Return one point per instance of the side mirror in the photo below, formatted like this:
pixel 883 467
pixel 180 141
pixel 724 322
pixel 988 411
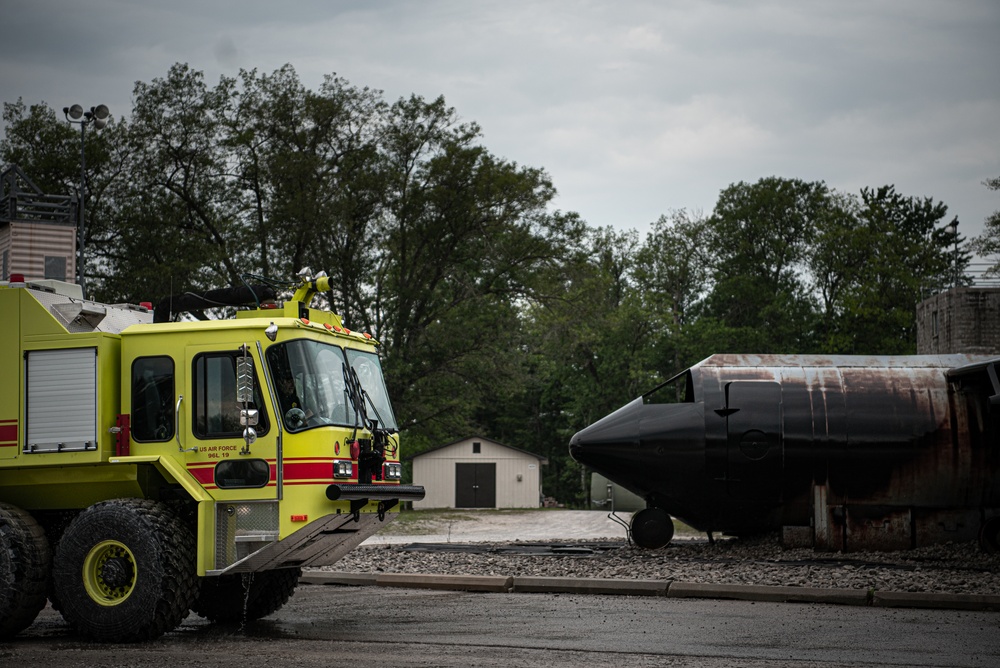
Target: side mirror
pixel 244 397
pixel 244 379
pixel 248 417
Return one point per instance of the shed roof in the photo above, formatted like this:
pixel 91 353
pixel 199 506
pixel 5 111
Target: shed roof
pixel 541 459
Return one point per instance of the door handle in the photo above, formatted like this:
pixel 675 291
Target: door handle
pixel 177 426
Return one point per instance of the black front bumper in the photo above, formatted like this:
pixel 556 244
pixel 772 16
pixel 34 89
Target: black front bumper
pixel 355 492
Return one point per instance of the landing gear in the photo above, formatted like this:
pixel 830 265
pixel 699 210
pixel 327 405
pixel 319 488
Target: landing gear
pixel 24 570
pixel 989 536
pixel 125 571
pixel 245 597
pixel 652 528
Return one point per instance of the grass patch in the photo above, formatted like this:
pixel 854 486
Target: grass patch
pixel 442 515
pixel 681 529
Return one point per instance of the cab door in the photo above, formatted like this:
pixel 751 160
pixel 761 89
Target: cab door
pixel 213 423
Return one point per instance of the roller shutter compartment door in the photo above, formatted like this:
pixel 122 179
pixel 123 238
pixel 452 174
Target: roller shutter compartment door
pixel 61 389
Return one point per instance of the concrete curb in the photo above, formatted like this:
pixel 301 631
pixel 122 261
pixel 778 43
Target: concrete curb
pixel 610 587
pixel 350 579
pixel 906 599
pixel 546 585
pixel 774 594
pixel 488 583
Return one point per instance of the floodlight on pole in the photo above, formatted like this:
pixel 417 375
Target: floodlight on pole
pixel 952 229
pixel 98 117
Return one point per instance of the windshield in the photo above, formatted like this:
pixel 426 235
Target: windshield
pixel 309 378
pixel 369 372
pixel 679 389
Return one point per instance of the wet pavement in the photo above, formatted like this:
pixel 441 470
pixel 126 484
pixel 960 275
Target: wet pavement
pixel 375 626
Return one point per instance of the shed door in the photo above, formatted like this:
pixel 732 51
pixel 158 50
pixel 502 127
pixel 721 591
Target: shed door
pixel 476 485
pixel 755 456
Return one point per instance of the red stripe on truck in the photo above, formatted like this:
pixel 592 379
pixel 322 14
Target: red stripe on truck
pixel 8 434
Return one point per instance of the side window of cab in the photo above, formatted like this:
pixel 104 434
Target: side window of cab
pixel 152 417
pixel 216 411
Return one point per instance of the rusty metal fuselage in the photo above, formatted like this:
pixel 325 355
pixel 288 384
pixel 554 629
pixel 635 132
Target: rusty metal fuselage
pixel 838 452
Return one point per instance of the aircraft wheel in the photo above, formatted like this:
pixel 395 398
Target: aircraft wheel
pixel 245 597
pixel 652 528
pixel 25 560
pixel 989 536
pixel 125 571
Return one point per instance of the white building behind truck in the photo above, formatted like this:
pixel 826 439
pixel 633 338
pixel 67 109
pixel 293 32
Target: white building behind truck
pixel 477 472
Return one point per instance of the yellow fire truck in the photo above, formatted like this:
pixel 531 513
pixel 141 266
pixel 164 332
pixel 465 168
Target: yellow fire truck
pixel 149 467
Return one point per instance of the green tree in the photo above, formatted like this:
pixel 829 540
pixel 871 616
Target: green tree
pixel 875 259
pixel 309 173
pixel 464 237
pixel 672 271
pixel 497 315
pixel 759 236
pixel 175 220
pixel 988 243
pixel 838 251
pixel 589 344
pixel 48 149
pixel 433 243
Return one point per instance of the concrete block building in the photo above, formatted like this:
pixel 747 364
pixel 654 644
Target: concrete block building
pixel 960 320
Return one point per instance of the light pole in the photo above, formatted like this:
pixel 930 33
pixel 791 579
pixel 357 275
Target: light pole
pixel 98 117
pixel 952 229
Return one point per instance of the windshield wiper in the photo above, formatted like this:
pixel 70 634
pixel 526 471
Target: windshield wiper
pixel 355 394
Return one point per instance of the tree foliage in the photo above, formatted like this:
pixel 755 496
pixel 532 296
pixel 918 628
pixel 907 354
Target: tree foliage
pixel 888 255
pixel 497 315
pixel 988 243
pixel 760 235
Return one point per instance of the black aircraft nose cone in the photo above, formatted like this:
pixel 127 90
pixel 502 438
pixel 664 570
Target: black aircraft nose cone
pixel 654 450
pixel 608 436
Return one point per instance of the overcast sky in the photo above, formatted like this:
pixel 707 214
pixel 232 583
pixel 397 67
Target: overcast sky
pixel 634 108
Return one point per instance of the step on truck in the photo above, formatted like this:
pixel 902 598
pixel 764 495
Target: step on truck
pixel 152 466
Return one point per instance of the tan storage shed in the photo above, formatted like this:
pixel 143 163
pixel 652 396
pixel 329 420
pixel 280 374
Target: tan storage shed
pixel 478 472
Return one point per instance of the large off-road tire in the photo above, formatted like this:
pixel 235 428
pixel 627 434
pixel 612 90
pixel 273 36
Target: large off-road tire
pixel 54 523
pixel 245 597
pixel 125 571
pixel 25 562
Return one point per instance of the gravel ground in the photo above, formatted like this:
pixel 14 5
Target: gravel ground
pixel 950 568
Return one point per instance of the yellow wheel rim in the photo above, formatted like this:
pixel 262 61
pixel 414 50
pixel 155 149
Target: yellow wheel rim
pixel 109 573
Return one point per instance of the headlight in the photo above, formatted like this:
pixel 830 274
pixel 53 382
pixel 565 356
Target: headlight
pixel 392 471
pixel 342 469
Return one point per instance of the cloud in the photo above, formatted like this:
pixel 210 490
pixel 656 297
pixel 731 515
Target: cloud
pixel 227 54
pixel 633 107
